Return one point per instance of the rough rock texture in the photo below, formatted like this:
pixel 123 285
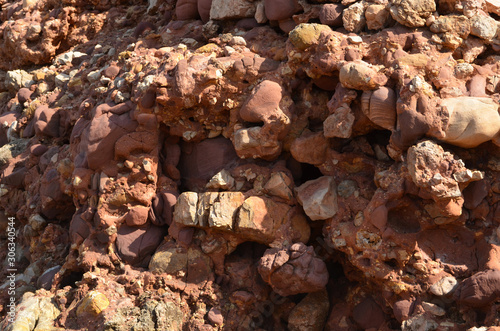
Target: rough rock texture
pixel 249 165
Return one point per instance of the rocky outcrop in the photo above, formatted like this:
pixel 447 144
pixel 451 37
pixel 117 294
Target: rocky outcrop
pixel 249 165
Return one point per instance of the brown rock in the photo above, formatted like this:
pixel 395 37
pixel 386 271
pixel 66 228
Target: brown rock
pixel 331 14
pixel 368 314
pixel 293 270
pixel 277 10
pixel 310 148
pixel 186 9
pixel 310 313
pixel 359 75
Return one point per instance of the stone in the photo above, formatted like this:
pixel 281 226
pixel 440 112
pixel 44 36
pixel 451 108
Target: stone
pixel 493 6
pixel 456 24
pixel 444 286
pixel 310 313
pixel 377 16
pixel 61 79
pixel 318 197
pixel 215 316
pixel 92 304
pixel 259 218
pixel 353 17
pixel 433 309
pixel 360 75
pixel 331 14
pixel 470 121
pixel 231 9
pixel 293 270
pixel 306 35
pixel 221 180
pixel 484 27
pixel 310 147
pixel 35 313
pixel 279 185
pixel 368 314
pixel 339 124
pixel 480 289
pixel 186 9
pixel 412 13
pixel 136 245
pixel 278 10
pixel 16 79
pixel 185 209
pixel 169 259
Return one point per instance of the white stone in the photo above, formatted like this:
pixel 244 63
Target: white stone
pixel 483 27
pixel 228 9
pixel 318 197
pixel 444 286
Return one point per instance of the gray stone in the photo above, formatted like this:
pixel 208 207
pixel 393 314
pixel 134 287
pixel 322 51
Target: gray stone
pixel 444 286
pixel 16 79
pixel 483 27
pixel 228 9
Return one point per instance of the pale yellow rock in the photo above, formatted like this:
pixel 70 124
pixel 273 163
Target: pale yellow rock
pixel 185 209
pixel 472 121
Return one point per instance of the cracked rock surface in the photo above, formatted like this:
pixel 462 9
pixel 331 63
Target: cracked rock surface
pixel 250 165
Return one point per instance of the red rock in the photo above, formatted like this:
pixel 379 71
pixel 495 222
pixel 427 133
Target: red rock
pixel 111 71
pixel 331 14
pixel 136 245
pixel 202 160
pixel 277 10
pixel 186 9
pixel 23 95
pixel 215 316
pixel 368 314
pixel 480 289
pixel 46 121
pixel 204 9
pixel 293 270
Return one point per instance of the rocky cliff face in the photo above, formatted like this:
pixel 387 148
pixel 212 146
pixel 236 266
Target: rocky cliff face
pixel 250 165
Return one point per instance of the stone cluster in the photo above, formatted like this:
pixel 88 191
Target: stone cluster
pixel 251 164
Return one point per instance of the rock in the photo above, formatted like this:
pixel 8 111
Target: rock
pixel 305 35
pixel 331 14
pixel 204 7
pixel 419 322
pixel 11 150
pixel 480 289
pixel 339 124
pixel 483 27
pixel 310 313
pixel 16 79
pixel 456 24
pixel 368 314
pixel 318 197
pixel 353 17
pixel 259 219
pixel 402 310
pixel 231 9
pixel 310 148
pixel 45 280
pixel 377 16
pixel 35 311
pixel 380 107
pixel 424 160
pixel 493 6
pixel 201 161
pixel 359 75
pixel 278 10
pixel 186 9
pixel 61 79
pixel 280 185
pixel 412 13
pixel 293 270
pixel 470 121
pixel 92 304
pixel 215 316
pixel 444 286
pixel 169 259
pixel 136 245
pixel 433 309
pixel 221 180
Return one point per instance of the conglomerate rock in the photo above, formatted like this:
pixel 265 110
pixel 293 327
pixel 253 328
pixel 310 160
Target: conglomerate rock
pixel 250 165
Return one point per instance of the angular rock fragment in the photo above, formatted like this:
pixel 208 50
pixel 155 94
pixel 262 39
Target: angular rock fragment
pixel 293 270
pixel 318 197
